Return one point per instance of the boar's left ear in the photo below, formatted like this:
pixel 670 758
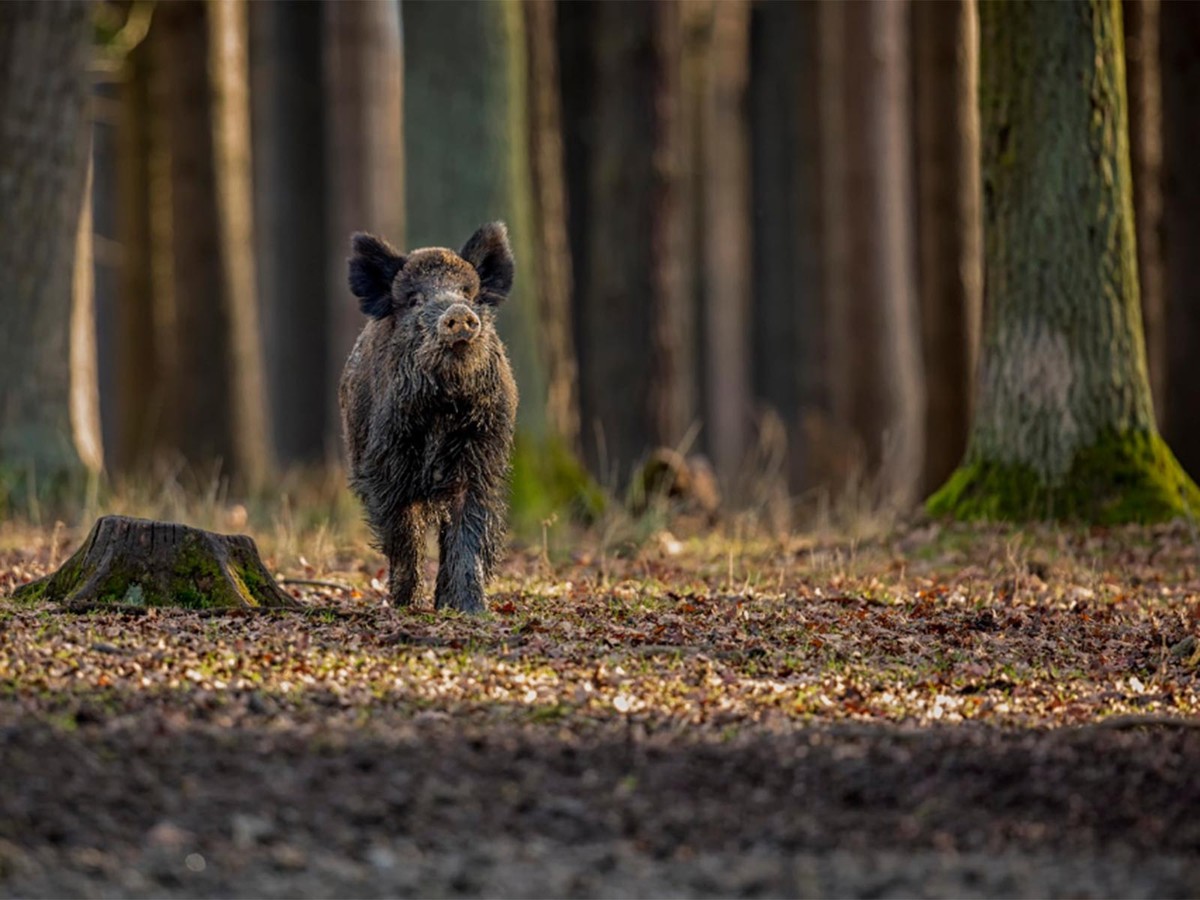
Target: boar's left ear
pixel 373 266
pixel 489 252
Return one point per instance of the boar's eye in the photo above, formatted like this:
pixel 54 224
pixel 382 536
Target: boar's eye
pixel 415 298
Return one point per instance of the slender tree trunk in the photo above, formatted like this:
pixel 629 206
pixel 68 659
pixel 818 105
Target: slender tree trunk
pixel 788 346
pixel 218 388
pixel 1180 24
pixel 85 388
pixel 107 251
pixel 229 40
pixel 44 147
pixel 364 153
pixel 1063 423
pixel 552 255
pixel 726 250
pixel 624 115
pixel 949 225
pixel 1144 80
pixel 875 361
pixel 138 344
pixel 291 215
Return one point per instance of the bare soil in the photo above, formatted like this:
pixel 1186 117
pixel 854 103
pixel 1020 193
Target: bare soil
pixel 942 713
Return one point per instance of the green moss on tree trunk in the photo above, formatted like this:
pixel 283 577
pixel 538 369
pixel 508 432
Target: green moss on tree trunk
pixel 1063 424
pixel 1123 478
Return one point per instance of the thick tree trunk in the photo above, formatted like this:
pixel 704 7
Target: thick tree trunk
pixel 1180 24
pixel 364 153
pixel 552 254
pixel 788 327
pixel 877 394
pixel 949 226
pixel 44 147
pixel 291 215
pixel 137 563
pixel 1144 80
pixel 467 148
pixel 1063 423
pixel 467 143
pixel 218 390
pixel 623 121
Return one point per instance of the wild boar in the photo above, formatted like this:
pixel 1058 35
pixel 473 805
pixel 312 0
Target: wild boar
pixel 428 405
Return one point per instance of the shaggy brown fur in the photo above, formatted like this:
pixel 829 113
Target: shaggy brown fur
pixel 428 406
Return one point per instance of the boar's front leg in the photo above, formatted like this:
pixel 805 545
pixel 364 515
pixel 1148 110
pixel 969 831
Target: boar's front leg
pixel 468 542
pixel 402 546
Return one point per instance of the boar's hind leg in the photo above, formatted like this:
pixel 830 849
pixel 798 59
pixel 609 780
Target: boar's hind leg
pixel 465 543
pixel 402 546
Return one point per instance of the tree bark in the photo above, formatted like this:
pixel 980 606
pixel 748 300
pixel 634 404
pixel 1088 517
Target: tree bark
pixel 949 225
pixel 469 123
pixel 1144 79
pixel 1180 24
pixel 44 147
pixel 364 152
pixel 623 112
pixel 788 326
pixel 291 211
pixel 552 254
pixel 877 396
pixel 467 148
pixel 230 73
pixel 85 387
pixel 1063 423
pixel 725 262
pixel 137 563
pixel 218 388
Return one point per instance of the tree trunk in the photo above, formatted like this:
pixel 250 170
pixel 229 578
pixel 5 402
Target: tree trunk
pixel 1180 24
pixel 1144 80
pixel 725 261
pixel 467 148
pixel 469 122
pixel 871 300
pixel 624 113
pixel 364 153
pixel 219 390
pixel 137 563
pixel 141 344
pixel 230 73
pixel 552 254
pixel 291 215
pixel 788 327
pixel 44 147
pixel 1063 423
pixel 85 388
pixel 949 227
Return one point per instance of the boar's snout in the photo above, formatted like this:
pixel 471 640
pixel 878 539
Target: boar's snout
pixel 459 324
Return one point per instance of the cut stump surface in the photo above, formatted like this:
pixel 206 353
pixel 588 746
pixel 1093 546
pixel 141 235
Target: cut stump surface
pixel 141 563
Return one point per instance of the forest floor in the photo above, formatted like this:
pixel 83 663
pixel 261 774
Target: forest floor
pixel 944 711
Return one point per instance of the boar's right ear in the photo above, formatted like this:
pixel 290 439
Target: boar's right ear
pixel 373 266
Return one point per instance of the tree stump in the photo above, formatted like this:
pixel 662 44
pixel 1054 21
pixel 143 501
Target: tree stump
pixel 131 562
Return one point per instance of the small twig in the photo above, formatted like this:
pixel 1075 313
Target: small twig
pixel 310 582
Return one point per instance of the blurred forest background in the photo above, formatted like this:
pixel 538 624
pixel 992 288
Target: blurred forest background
pixel 746 231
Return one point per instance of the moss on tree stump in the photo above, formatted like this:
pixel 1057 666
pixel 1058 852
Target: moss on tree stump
pixel 140 563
